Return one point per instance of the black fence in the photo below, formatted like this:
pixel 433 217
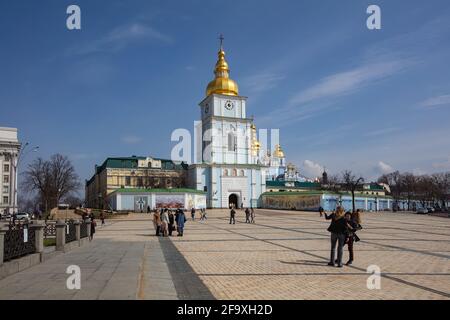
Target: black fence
pixel 70 232
pixel 19 241
pixel 83 230
pixel 50 230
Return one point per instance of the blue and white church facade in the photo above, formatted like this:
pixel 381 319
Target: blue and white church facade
pixel 228 168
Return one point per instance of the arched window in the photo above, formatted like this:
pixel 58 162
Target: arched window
pixel 242 173
pixel 225 173
pixel 234 173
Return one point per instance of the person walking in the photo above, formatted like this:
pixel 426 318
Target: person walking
pixel 165 223
pixel 337 229
pixel 171 222
pixel 102 218
pixel 321 211
pixel 353 224
pixel 193 213
pixel 157 222
pixel 93 225
pixel 204 214
pixel 232 215
pixel 181 220
pixel 252 215
pixel 247 215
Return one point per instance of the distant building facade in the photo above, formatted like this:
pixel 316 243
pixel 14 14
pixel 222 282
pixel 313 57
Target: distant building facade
pixel 130 173
pixel 9 152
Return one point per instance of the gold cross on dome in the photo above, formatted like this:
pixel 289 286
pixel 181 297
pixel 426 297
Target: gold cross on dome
pixel 221 38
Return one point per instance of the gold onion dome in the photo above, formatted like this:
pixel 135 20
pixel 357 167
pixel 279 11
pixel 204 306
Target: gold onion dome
pixel 222 84
pixel 278 152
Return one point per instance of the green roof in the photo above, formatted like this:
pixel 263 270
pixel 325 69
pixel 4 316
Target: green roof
pixel 297 184
pixel 320 192
pixel 157 190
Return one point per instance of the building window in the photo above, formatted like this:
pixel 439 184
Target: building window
pixel 225 173
pixel 5 189
pixel 231 142
pixel 234 174
pixel 6 167
pixel 242 173
pixel 5 179
pixel 127 181
pixel 5 200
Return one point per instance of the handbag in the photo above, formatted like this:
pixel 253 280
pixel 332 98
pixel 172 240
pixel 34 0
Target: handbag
pixel 355 236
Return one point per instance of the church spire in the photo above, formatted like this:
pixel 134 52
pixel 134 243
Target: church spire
pixel 222 84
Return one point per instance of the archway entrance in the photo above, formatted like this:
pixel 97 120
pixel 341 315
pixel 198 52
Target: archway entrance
pixel 233 200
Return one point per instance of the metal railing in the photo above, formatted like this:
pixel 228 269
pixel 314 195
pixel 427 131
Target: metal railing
pixel 70 232
pixel 19 241
pixel 83 230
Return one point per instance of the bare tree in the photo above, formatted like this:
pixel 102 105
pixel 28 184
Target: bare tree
pixel 52 179
pixel 409 186
pixel 351 183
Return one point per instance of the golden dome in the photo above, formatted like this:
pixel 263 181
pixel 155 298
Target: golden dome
pixel 256 145
pixel 278 152
pixel 222 84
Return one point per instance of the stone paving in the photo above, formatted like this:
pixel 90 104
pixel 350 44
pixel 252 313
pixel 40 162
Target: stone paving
pixel 282 256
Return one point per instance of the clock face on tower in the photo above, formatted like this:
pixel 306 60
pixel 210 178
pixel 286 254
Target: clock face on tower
pixel 229 105
pixel 207 108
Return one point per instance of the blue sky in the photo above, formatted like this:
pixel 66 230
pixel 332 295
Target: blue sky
pixel 344 97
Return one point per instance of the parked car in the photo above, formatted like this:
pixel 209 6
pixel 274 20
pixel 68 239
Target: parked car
pixel 6 216
pixel 430 209
pixel 422 211
pixel 22 216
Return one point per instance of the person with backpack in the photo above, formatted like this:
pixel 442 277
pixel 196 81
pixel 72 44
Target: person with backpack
pixel 353 225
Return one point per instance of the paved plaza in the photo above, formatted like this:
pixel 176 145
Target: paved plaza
pixel 282 256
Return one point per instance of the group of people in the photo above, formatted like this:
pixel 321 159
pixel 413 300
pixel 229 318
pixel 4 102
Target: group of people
pixel 202 214
pixel 249 215
pixel 166 222
pixel 343 228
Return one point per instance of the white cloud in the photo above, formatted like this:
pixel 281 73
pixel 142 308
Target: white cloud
pixel 121 37
pixel 346 82
pixel 381 132
pixel 130 139
pixel 261 82
pixel 383 168
pixel 312 169
pixel 435 102
pixel 442 165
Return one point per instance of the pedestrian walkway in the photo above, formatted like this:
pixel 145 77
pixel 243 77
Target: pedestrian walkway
pixel 282 256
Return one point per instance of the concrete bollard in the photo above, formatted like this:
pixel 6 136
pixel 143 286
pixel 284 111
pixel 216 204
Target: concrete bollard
pixel 38 227
pixel 60 235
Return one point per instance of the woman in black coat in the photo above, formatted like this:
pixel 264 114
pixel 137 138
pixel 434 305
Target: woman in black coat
pixel 338 229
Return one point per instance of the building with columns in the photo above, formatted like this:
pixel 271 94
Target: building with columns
pixel 9 152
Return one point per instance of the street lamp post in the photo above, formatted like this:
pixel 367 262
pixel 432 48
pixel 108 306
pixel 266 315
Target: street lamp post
pixel 15 176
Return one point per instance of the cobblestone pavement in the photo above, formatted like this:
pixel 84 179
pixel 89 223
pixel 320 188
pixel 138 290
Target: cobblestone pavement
pixel 282 256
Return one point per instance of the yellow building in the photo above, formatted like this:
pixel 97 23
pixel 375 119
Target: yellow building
pixel 132 172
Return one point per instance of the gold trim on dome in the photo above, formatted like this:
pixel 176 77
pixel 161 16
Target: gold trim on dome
pixel 278 152
pixel 222 84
